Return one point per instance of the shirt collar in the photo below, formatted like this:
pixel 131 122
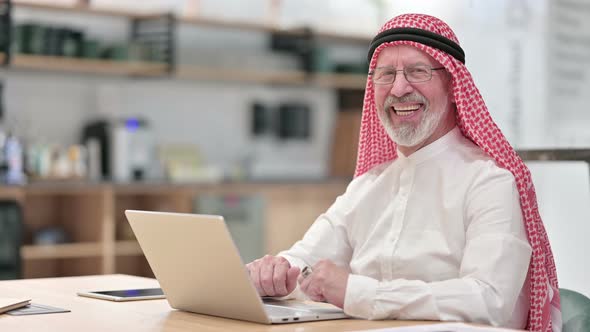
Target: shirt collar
pixel 452 138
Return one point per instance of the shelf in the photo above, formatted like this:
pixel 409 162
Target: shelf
pixel 146 69
pixel 562 154
pixel 68 250
pixel 86 66
pixel 240 75
pixel 94 221
pixel 187 72
pixel 344 38
pixel 82 9
pixel 341 81
pixel 197 21
pixel 261 27
pixel 127 248
pixel 331 80
pixel 218 23
pixel 12 192
pixel 78 187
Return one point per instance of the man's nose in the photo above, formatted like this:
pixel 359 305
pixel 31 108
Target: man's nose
pixel 400 86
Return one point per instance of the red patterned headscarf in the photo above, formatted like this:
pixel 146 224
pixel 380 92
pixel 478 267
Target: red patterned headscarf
pixel 475 122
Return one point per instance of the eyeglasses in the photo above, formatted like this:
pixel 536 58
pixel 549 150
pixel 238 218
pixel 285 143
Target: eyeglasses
pixel 413 74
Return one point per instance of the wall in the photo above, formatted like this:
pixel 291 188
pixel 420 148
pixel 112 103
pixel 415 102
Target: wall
pixel 179 112
pixel 568 97
pixel 503 41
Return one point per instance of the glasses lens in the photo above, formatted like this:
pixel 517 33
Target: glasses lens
pixel 384 75
pixel 413 74
pixel 418 73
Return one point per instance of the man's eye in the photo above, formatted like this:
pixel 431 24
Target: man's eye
pixel 386 73
pixel 417 71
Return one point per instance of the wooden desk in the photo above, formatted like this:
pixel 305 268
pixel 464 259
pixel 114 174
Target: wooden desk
pixel 153 315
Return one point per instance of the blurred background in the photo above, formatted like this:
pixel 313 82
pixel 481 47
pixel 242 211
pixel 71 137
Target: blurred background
pixel 251 110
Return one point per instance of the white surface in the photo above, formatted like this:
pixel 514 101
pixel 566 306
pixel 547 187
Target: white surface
pixel 563 193
pixel 445 327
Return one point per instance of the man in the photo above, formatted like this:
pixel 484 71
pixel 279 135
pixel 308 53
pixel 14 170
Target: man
pixel 440 222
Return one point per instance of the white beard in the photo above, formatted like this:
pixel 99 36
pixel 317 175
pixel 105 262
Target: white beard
pixel 406 134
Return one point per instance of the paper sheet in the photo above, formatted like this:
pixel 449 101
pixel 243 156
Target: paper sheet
pixel 442 327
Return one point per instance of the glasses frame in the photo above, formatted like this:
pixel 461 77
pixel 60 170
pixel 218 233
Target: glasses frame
pixel 372 74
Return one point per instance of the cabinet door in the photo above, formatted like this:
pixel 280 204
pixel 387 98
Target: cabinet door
pixel 243 214
pixel 291 211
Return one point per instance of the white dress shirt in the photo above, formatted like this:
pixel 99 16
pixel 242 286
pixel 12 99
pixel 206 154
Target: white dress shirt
pixel 437 235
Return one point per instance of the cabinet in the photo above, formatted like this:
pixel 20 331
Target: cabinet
pixel 80 212
pixel 168 66
pixel 42 45
pixel 99 240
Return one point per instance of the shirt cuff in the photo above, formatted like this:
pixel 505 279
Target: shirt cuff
pixel 359 300
pixel 296 293
pixel 293 261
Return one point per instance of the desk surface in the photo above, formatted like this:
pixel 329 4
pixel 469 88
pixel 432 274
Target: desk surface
pixel 90 315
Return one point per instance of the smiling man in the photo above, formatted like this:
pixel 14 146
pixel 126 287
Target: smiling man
pixel 440 221
pixel 418 110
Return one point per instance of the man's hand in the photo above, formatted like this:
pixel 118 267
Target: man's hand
pixel 327 282
pixel 273 276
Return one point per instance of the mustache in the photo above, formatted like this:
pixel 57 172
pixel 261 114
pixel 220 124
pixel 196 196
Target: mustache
pixel 409 98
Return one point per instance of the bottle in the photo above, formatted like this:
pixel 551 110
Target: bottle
pixel 13 153
pixel 3 163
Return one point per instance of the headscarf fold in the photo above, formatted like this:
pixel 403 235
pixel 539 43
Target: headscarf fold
pixel 475 122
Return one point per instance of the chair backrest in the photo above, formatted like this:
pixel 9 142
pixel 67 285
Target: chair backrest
pixel 11 234
pixel 575 311
pixel 563 193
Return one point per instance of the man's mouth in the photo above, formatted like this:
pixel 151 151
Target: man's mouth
pixel 406 109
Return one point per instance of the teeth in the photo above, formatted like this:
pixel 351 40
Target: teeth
pixel 404 113
pixel 407 108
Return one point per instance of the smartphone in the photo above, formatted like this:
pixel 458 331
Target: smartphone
pixel 126 294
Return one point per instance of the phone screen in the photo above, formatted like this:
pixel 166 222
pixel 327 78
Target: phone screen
pixel 133 292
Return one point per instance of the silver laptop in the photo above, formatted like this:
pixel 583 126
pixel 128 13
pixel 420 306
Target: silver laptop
pixel 200 270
